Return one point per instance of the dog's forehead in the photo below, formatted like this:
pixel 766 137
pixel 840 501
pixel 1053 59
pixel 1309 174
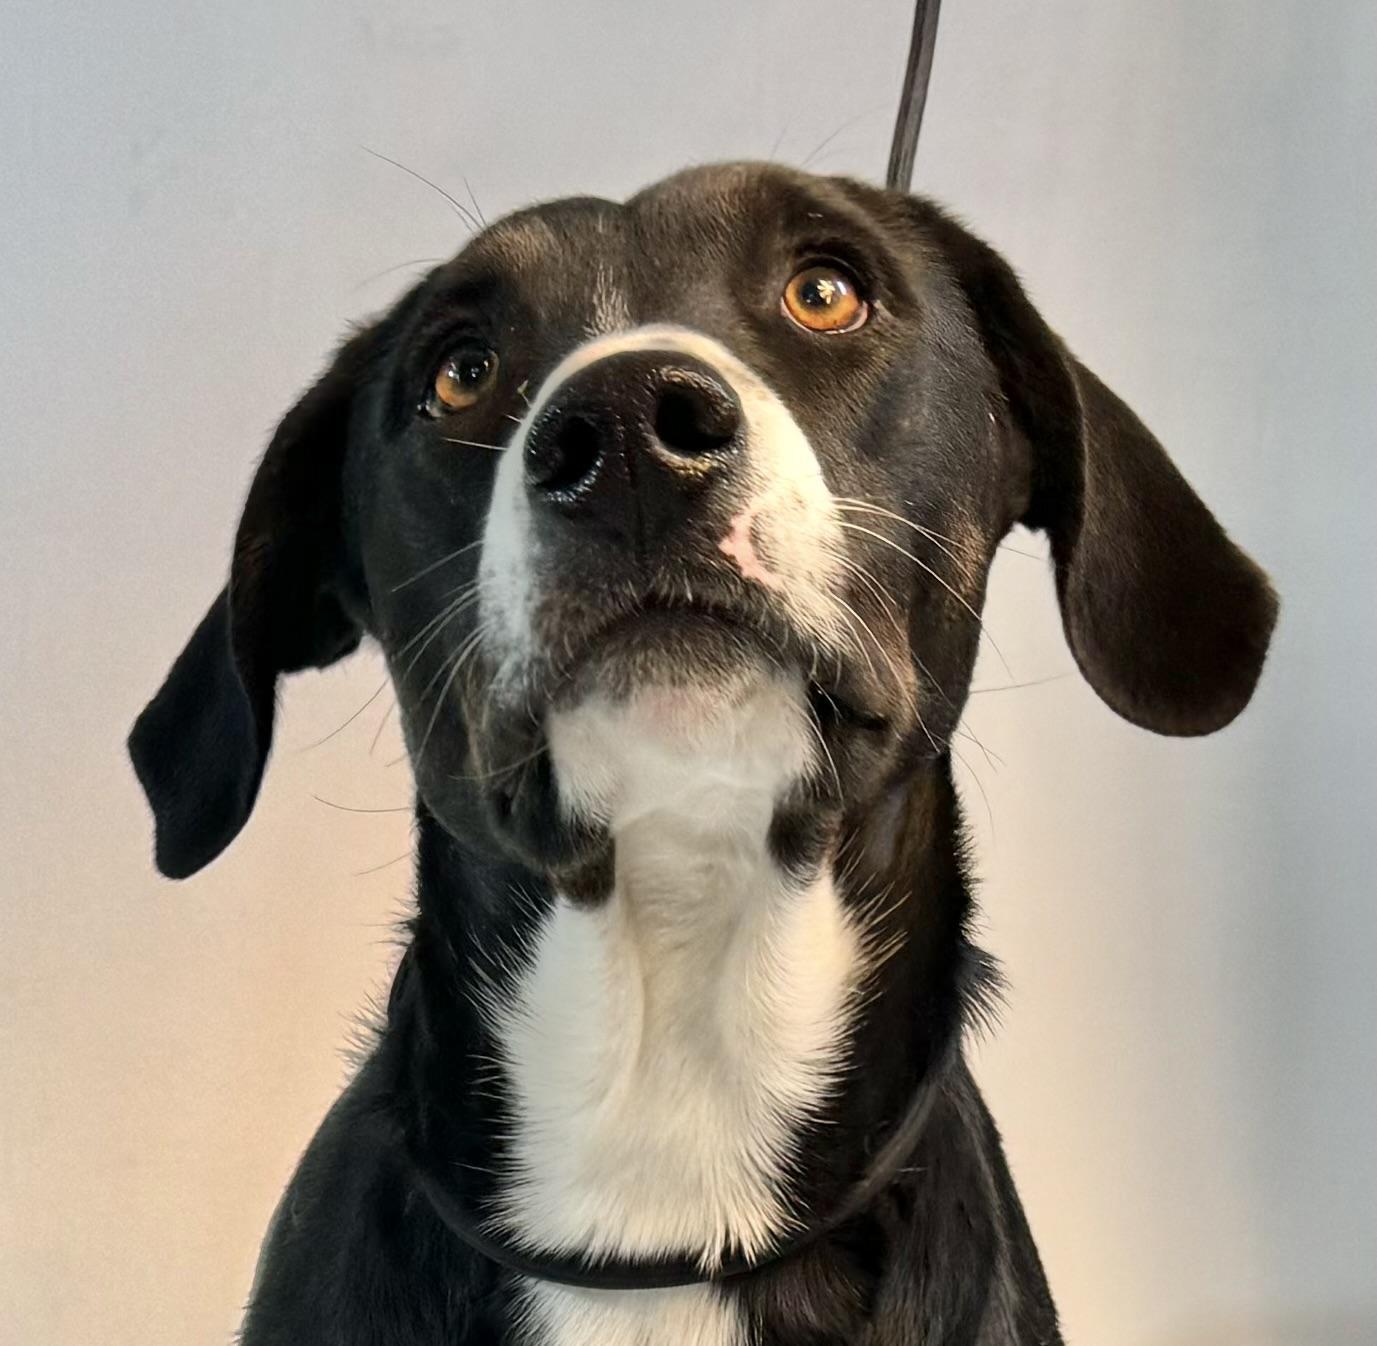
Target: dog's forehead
pixel 699 216
pixel 532 241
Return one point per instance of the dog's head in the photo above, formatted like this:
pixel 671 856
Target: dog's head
pixel 750 425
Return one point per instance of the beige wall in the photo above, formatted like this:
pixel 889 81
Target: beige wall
pixel 1186 1073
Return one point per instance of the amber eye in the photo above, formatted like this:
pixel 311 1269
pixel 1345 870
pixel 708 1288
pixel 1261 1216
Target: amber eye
pixel 824 298
pixel 462 378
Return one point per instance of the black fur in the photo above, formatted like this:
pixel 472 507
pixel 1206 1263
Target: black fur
pixel 955 408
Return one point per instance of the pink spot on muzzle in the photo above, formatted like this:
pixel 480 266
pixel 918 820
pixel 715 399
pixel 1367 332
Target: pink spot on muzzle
pixel 739 545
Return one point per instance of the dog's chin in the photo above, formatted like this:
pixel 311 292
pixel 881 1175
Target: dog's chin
pixel 676 669
pixel 680 658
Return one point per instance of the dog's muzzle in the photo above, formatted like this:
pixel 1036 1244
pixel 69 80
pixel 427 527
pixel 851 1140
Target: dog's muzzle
pixel 662 516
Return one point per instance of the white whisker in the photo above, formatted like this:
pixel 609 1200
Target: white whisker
pixel 474 443
pixel 449 614
pixel 937 539
pixel 464 654
pixel 889 542
pixel 435 565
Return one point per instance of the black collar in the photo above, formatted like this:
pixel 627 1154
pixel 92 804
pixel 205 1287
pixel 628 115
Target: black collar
pixel 670 1272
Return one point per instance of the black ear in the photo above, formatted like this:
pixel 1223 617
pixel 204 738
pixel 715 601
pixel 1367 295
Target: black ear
pixel 200 746
pixel 1168 620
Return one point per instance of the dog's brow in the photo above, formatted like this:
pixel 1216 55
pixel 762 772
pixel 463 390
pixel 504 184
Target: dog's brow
pixel 521 241
pixel 472 290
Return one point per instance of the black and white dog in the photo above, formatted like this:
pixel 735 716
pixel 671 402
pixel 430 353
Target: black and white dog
pixel 673 519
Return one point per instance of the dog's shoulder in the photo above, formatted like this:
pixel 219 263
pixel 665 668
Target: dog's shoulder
pixel 353 1253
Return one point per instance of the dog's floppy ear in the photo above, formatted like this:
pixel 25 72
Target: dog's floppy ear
pixel 1168 620
pixel 200 746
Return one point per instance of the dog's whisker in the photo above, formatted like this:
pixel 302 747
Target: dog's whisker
pixel 474 443
pixel 435 565
pixel 778 141
pixel 884 600
pixel 979 785
pixel 437 624
pixel 960 598
pixel 382 724
pixel 1003 546
pixel 497 772
pixel 931 677
pixel 477 209
pixel 451 612
pixel 386 864
pixel 848 615
pixel 937 539
pixel 349 808
pixel 927 733
pixel 899 680
pixel 822 743
pixel 992 759
pixel 1016 686
pixel 437 616
pixel 955 542
pixel 339 729
pixel 464 654
pixel 468 642
pixel 822 145
pixel 392 270
pixel 461 210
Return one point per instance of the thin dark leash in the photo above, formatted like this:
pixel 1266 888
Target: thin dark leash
pixel 914 97
pixel 893 1157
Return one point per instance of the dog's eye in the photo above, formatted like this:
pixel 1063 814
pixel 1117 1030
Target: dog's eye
pixel 824 298
pixel 462 378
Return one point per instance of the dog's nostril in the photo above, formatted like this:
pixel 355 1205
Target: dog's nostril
pixel 565 454
pixel 580 446
pixel 693 418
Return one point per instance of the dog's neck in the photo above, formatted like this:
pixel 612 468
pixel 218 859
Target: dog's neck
pixel 668 1070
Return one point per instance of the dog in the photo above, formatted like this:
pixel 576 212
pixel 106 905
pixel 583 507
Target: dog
pixel 673 520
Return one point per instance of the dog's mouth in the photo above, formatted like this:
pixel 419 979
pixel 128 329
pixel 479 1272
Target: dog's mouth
pixel 660 640
pixel 694 643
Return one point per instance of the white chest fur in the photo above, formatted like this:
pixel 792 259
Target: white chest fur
pixel 665 1046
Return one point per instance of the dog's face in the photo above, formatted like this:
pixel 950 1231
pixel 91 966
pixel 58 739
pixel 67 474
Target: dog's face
pixel 749 425
pixel 715 459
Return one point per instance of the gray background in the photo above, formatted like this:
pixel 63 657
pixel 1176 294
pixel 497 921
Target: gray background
pixel 1186 1071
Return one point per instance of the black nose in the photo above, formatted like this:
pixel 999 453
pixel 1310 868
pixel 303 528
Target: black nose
pixel 632 443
